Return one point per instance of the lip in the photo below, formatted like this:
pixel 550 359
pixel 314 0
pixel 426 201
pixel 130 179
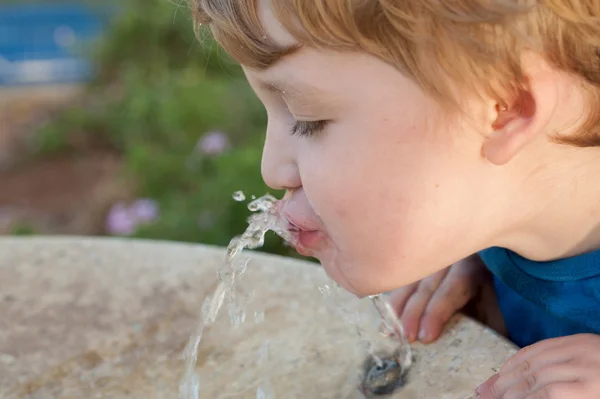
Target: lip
pixel 307 242
pixel 306 237
pixel 300 224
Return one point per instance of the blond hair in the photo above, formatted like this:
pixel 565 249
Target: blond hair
pixel 474 42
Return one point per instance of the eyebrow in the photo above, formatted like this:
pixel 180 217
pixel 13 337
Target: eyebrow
pixel 290 89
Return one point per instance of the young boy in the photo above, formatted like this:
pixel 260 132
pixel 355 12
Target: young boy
pixel 415 134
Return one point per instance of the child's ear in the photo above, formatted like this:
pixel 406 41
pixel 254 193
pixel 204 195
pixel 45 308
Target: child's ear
pixel 524 117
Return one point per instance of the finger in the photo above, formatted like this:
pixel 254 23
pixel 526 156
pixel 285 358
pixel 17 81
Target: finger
pixel 561 390
pixel 469 265
pixel 535 381
pixel 485 386
pixel 399 297
pixel 416 304
pixel 531 366
pixel 453 293
pixel 528 352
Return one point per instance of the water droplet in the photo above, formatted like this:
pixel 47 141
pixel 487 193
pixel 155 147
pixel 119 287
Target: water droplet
pixel 263 352
pixel 237 315
pixel 265 390
pixel 239 196
pixel 259 316
pixel 263 393
pixel 325 290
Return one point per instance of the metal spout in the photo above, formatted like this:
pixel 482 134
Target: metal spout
pixel 383 377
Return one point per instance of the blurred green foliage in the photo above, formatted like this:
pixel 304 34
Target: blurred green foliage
pixel 157 90
pixel 23 230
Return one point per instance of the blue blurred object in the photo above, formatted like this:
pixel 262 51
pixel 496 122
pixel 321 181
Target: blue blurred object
pixel 45 43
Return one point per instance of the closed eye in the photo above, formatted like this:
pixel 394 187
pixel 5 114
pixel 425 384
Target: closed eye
pixel 308 128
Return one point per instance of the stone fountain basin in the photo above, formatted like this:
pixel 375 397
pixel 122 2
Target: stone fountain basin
pixel 109 318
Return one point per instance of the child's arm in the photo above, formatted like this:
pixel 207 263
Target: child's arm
pixel 426 306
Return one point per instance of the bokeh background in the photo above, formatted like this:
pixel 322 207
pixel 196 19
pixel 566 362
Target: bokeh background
pixel 116 120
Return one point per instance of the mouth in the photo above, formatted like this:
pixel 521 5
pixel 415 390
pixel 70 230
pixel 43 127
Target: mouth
pixel 306 238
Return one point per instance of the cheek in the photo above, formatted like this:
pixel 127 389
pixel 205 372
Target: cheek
pixel 370 175
pixel 383 206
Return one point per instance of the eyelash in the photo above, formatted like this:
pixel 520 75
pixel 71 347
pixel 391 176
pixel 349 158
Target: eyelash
pixel 307 129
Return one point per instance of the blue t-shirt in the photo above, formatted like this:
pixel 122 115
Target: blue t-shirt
pixel 541 300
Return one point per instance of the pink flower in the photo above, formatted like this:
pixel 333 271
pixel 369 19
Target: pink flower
pixel 123 220
pixel 120 221
pixel 145 210
pixel 213 143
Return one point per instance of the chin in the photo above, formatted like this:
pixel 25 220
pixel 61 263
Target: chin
pixel 363 281
pixel 336 271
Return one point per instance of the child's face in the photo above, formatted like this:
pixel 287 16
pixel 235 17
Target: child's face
pixel 395 192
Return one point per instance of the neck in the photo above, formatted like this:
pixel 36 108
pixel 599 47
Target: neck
pixel 558 204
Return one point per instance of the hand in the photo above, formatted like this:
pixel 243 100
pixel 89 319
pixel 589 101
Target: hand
pixel 426 306
pixel 559 368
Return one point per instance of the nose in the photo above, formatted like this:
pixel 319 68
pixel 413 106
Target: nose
pixel 279 167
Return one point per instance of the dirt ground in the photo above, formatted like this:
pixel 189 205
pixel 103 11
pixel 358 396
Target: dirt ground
pixel 65 194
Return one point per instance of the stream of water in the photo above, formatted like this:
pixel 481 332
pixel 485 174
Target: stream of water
pixel 265 217
pixel 393 327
